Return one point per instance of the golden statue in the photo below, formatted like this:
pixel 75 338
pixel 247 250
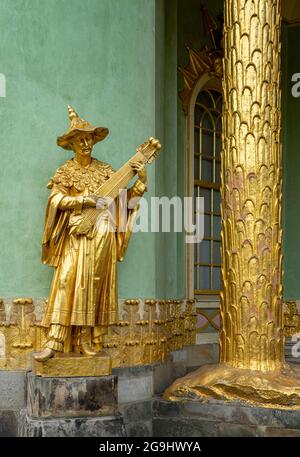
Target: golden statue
pixel 252 366
pixel 83 241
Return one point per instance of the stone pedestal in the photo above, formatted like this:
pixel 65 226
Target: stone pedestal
pixel 72 406
pixel 71 397
pixel 217 418
pixel 73 365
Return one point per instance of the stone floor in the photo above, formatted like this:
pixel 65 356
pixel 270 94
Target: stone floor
pixel 216 418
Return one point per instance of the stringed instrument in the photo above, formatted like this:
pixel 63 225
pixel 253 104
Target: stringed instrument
pixel 145 153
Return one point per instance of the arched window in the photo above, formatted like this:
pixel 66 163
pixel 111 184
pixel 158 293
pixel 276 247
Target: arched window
pixel 207 180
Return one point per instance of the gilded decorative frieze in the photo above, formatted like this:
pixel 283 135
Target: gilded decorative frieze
pixel 200 62
pixel 209 318
pixel 147 331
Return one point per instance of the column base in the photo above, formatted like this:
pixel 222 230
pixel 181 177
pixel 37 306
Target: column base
pixel 276 389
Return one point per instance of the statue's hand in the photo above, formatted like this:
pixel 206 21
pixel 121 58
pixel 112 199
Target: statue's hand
pixel 140 169
pixel 102 203
pixel 89 201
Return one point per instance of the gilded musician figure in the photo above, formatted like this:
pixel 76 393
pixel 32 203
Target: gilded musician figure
pixel 83 299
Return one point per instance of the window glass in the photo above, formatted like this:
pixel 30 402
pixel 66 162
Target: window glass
pixel 207 181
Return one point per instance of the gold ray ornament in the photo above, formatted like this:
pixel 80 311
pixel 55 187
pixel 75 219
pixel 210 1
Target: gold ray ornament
pixel 252 366
pixel 200 62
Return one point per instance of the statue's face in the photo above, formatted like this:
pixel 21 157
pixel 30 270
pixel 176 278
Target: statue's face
pixel 82 144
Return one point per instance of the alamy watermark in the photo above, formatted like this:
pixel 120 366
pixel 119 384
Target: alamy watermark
pixel 159 214
pixel 296 86
pixel 296 345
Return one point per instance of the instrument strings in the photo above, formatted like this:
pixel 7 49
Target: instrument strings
pixel 111 187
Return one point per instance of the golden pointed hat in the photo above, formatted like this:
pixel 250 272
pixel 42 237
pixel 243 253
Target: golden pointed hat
pixel 80 125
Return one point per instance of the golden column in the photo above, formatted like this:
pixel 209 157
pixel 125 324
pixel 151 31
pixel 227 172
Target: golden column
pixel 252 364
pixel 252 330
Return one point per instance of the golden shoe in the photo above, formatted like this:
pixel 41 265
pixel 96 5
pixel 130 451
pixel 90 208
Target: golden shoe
pixel 44 355
pixel 85 349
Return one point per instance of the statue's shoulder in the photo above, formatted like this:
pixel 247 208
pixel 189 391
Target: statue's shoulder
pixel 62 175
pixel 71 174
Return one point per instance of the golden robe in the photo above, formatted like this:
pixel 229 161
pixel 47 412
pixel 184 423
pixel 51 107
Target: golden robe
pixel 84 289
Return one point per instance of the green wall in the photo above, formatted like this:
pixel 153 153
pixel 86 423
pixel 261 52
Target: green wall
pixel 291 164
pixel 116 62
pixel 168 261
pixel 99 56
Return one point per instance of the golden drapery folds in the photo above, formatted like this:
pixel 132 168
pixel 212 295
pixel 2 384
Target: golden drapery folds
pixel 252 364
pixel 84 287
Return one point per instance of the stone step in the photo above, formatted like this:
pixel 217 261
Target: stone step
pixel 110 427
pixel 217 418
